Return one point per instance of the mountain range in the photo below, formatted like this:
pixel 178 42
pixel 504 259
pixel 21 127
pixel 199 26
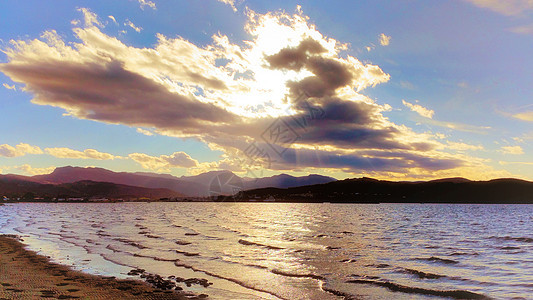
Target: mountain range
pixel 98 182
pixel 207 184
pixel 368 190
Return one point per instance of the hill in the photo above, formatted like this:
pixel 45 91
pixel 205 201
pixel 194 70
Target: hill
pixel 15 187
pixel 367 190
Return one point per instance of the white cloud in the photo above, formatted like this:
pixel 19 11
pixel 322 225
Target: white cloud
pixel 407 85
pixel 90 18
pixel 230 3
pixel 384 40
pixel 422 111
pixel 463 146
pixel 130 24
pixel 514 150
pixel 9 87
pixel 34 171
pixel 19 150
pixel 524 116
pixel 113 19
pixel 164 162
pixel 75 154
pixel 524 137
pixel 458 126
pixel 515 163
pixel 148 3
pixel 507 7
pixel 525 29
pixel 145 132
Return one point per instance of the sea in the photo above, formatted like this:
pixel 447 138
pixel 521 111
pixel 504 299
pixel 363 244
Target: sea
pixel 293 250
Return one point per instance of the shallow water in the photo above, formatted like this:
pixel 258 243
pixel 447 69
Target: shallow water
pixel 294 251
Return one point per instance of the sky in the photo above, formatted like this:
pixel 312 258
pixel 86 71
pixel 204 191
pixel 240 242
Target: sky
pixel 394 90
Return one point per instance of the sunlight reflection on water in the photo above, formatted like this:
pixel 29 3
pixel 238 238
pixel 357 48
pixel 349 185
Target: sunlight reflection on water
pixel 293 251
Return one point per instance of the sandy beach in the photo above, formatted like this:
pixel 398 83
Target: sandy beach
pixel 26 275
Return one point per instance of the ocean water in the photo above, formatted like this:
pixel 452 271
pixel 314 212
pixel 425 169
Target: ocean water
pixel 294 250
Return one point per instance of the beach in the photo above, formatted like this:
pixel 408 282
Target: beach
pixel 26 275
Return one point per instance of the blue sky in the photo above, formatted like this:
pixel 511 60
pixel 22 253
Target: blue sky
pixel 409 89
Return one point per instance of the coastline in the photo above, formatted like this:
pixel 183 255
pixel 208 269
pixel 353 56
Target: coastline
pixel 25 274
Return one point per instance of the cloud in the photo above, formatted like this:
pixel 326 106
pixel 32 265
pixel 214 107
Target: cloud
pixel 148 3
pixel 524 137
pixel 75 154
pixel 145 132
pixel 90 18
pixel 113 19
pixel 9 87
pixel 130 24
pixel 164 162
pixel 526 29
pixel 407 85
pixel 230 95
pixel 230 3
pixel 384 40
pixel 463 146
pixel 19 150
pixel 34 171
pixel 515 163
pixel 514 150
pixel 524 116
pixel 458 126
pixel 508 7
pixel 422 111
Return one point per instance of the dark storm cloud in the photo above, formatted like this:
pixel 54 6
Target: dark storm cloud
pixel 361 161
pixel 295 58
pixel 109 93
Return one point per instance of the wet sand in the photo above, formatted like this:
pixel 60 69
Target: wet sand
pixel 27 275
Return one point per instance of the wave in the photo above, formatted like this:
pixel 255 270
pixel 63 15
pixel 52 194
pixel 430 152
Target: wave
pixel 332 248
pixel 182 243
pixel 241 283
pixel 109 247
pixel 514 239
pixel 288 274
pixel 102 233
pixel 255 266
pixel 379 266
pixel 366 276
pixel 151 236
pixel 509 248
pixel 463 253
pixel 345 296
pixel 439 260
pixel 130 242
pixel 456 294
pixel 187 253
pixel 248 243
pixel 420 274
pixel 154 257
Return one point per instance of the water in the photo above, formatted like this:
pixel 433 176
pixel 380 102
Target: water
pixel 293 251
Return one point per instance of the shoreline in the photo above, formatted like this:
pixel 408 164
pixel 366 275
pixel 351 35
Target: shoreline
pixel 25 274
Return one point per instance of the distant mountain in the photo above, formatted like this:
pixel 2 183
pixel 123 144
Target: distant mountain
pixel 10 186
pixel 286 181
pixel 74 174
pixel 206 184
pixel 367 190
